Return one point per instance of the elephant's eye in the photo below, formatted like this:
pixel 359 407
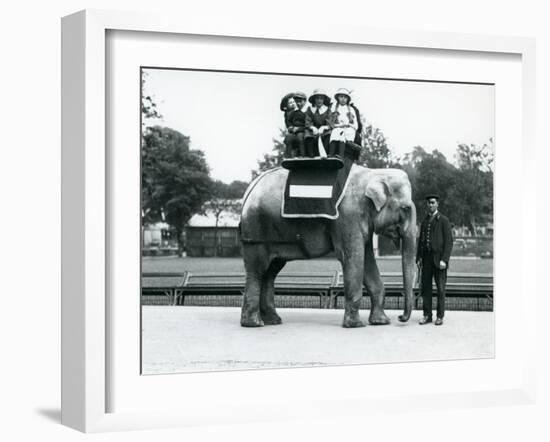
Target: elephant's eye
pixel 406 208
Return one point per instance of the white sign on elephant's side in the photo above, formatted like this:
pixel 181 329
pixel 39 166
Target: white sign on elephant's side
pixel 304 191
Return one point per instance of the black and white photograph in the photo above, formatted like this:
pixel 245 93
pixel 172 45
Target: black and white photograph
pixel 309 220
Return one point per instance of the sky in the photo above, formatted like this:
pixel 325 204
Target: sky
pixel 233 117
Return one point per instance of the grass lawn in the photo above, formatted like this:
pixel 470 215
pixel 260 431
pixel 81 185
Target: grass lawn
pixel 174 264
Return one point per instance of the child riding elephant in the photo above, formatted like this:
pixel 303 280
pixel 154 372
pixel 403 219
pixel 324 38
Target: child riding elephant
pixel 317 123
pixel 344 120
pixel 295 121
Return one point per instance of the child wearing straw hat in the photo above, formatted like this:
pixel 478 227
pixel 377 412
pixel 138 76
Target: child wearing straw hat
pixel 317 122
pixel 287 106
pixel 344 122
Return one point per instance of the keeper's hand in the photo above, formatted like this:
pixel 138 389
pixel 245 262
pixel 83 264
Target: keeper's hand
pixel 442 265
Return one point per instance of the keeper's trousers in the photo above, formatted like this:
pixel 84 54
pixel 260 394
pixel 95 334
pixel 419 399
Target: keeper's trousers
pixel 429 273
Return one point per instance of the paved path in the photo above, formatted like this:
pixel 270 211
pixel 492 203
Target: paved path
pixel 186 339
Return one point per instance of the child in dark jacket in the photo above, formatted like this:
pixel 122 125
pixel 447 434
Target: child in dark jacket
pixel 317 123
pixel 295 122
pixel 287 106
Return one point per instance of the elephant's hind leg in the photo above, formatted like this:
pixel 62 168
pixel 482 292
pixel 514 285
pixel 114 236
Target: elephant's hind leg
pixel 267 295
pixel 256 263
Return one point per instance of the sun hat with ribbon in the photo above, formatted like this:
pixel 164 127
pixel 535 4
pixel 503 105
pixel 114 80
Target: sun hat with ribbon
pixel 343 91
pixel 284 101
pixel 319 93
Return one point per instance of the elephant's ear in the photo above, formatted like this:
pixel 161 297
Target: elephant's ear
pixel 377 191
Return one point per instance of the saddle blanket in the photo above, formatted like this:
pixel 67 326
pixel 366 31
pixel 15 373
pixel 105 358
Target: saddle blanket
pixel 315 192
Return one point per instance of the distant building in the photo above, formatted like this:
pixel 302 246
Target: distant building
pixel 204 238
pixel 159 239
pixel 158 235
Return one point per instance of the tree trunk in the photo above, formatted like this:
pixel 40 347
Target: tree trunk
pixel 473 225
pixel 181 243
pixel 216 234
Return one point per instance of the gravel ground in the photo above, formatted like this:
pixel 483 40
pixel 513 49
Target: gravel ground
pixel 190 339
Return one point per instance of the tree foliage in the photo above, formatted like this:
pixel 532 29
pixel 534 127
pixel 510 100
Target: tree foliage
pixel 226 198
pixel 175 180
pixel 273 158
pixel 148 106
pixel 466 190
pixel 472 157
pixel 429 173
pixel 472 193
pixel 376 153
pixel 233 190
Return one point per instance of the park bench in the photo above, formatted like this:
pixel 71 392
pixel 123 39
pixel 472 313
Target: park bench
pixel 156 286
pixel 210 284
pixel 477 286
pixel 288 284
pixel 310 284
pixel 470 291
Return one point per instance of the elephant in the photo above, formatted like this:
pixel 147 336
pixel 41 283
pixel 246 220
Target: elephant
pixel 375 201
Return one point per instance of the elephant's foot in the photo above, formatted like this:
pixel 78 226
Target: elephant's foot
pixel 353 321
pixel 378 317
pixel 251 320
pixel 271 318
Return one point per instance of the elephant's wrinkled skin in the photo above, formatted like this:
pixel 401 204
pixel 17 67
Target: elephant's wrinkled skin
pixel 375 200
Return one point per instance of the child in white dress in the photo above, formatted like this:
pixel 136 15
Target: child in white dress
pixel 343 121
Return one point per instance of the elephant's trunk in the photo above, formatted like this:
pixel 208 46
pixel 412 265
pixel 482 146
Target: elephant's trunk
pixel 408 257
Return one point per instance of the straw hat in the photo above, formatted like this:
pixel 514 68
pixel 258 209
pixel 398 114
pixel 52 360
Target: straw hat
pixel 343 91
pixel 284 100
pixel 319 93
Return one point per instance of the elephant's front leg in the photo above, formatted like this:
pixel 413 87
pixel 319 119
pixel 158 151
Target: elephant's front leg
pixel 352 264
pixel 375 288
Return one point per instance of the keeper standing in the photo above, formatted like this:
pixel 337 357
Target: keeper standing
pixel 433 253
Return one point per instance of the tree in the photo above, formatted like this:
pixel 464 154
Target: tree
pixel 473 190
pixel 470 156
pixel 225 198
pixel 430 173
pixel 466 190
pixel 175 180
pixel 273 158
pixel 376 152
pixel 148 106
pixel 233 190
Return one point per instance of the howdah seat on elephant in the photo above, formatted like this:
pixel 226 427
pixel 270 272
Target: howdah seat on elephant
pixel 317 163
pixel 351 151
pixel 369 201
pixel 315 186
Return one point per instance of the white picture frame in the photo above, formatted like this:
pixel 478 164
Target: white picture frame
pixel 86 202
